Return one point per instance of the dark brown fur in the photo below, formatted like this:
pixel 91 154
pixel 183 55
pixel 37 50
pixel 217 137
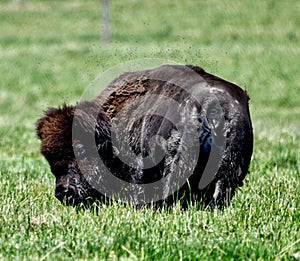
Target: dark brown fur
pixel 94 119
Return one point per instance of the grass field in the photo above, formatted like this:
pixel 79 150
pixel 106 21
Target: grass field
pixel 50 51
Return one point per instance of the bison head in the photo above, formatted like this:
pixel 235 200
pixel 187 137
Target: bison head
pixel 65 153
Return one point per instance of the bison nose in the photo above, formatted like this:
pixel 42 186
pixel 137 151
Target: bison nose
pixel 68 195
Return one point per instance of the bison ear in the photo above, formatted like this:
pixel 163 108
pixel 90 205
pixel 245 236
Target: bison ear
pixel 88 115
pixel 91 122
pixel 54 119
pixel 84 121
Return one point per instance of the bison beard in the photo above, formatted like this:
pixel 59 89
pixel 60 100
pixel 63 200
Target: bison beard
pixel 209 105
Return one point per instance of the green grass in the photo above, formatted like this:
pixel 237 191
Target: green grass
pixel 50 52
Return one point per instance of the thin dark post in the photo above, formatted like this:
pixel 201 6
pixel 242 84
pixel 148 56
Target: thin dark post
pixel 105 21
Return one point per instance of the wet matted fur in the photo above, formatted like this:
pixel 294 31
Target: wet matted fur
pixel 209 104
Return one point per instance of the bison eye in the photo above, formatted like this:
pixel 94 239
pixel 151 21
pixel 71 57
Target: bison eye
pixel 59 169
pixel 79 150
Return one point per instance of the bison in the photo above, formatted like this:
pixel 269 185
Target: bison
pixel 169 134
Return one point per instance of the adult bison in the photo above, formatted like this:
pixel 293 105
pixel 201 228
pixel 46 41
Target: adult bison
pixel 170 134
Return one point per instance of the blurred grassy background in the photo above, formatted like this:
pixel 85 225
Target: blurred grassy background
pixel 50 51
